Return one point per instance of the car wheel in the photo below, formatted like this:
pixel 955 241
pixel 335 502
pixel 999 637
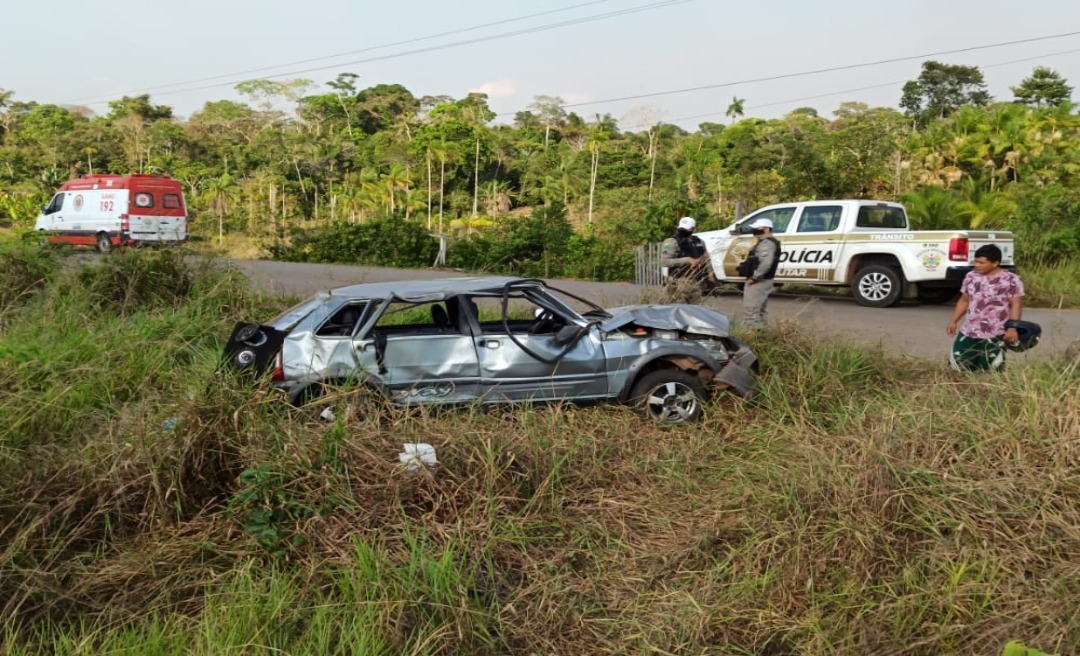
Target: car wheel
pixel 104 244
pixel 670 396
pixel 937 295
pixel 877 286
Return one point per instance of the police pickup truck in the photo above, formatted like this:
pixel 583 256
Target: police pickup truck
pixel 865 244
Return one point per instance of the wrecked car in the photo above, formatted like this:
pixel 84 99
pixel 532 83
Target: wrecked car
pixel 496 340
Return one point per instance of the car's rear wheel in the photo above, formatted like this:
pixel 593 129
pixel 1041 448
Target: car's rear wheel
pixel 877 286
pixel 670 396
pixel 104 244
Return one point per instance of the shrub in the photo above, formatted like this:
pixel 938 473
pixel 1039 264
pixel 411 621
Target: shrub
pixel 386 241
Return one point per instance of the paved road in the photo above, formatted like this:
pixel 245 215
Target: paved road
pixel 912 329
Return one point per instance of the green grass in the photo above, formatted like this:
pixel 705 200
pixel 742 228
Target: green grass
pixel 1054 286
pixel 860 504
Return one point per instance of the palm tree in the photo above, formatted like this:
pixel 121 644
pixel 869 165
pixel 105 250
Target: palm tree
pixel 397 179
pixel 221 193
pixel 984 209
pixel 735 109
pixel 597 137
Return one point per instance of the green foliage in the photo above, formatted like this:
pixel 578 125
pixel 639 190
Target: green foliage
pixel 356 156
pixel 386 241
pixel 1017 648
pixel 24 271
pixel 1044 87
pixel 267 511
pixel 942 89
pixel 1047 225
pixel 131 280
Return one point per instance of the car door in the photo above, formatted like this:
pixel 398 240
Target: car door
pixel 537 353
pixel 420 357
pixel 741 244
pixel 811 247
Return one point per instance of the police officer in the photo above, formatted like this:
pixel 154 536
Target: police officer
pixel 688 268
pixel 760 270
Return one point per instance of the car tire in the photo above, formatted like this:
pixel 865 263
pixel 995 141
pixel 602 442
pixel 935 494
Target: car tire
pixel 104 244
pixel 670 396
pixel 877 286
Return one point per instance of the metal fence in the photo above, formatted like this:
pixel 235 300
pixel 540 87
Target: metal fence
pixel 647 269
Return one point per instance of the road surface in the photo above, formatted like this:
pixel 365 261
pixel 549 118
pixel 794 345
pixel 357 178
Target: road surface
pixel 908 329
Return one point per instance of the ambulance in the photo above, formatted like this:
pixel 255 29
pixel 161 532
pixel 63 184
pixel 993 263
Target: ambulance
pixel 107 211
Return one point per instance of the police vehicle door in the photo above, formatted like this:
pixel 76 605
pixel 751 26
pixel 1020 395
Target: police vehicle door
pixel 740 246
pixel 810 249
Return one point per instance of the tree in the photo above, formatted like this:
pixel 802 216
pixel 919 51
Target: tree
pixel 265 92
pixel 735 109
pixel 381 106
pixel 550 111
pixel 139 106
pixel 1043 88
pixel 942 89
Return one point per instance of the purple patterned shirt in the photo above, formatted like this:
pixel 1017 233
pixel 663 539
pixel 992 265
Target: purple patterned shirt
pixel 989 302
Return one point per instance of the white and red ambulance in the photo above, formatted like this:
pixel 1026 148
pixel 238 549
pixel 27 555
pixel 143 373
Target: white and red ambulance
pixel 116 210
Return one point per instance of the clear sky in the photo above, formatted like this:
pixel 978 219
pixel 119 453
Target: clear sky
pixel 87 53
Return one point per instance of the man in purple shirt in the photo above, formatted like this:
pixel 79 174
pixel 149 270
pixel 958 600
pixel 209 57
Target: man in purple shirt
pixel 990 296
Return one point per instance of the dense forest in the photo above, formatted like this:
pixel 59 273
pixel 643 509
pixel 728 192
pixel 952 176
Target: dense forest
pixel 368 175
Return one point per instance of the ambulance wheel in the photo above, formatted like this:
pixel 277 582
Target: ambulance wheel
pixel 877 286
pixel 104 244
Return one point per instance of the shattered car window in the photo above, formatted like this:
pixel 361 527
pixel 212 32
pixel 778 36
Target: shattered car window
pixel 344 322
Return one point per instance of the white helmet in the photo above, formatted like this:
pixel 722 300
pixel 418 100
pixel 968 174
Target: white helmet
pixel 759 224
pixel 687 223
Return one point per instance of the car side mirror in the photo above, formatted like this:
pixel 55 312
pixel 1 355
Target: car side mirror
pixel 567 334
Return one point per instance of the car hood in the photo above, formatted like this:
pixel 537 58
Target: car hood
pixel 688 318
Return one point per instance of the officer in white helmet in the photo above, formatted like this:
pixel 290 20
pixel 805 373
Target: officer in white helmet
pixel 759 269
pixel 686 260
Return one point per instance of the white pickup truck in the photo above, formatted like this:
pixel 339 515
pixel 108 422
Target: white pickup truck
pixel 864 244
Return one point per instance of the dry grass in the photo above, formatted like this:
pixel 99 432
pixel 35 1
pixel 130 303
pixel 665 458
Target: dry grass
pixel 859 505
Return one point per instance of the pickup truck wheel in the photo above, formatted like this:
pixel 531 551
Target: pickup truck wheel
pixel 936 295
pixel 877 286
pixel 104 244
pixel 670 396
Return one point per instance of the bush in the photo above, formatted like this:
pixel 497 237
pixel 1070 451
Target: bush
pixel 1047 225
pixel 388 241
pixel 24 269
pixel 132 279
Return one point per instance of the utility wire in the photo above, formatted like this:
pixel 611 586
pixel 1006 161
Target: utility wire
pixel 818 71
pixel 503 35
pixel 855 90
pixel 428 37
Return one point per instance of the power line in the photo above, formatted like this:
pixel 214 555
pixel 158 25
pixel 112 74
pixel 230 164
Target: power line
pixel 833 69
pixel 428 37
pixel 504 35
pixel 854 90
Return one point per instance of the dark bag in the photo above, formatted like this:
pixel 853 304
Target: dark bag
pixel 746 267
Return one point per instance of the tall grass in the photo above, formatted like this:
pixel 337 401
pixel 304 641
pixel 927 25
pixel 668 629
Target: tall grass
pixel 1052 285
pixel 860 504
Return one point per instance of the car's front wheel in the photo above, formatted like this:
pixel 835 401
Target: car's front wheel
pixel 670 396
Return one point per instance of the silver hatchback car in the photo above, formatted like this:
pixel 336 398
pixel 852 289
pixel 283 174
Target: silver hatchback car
pixel 496 340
